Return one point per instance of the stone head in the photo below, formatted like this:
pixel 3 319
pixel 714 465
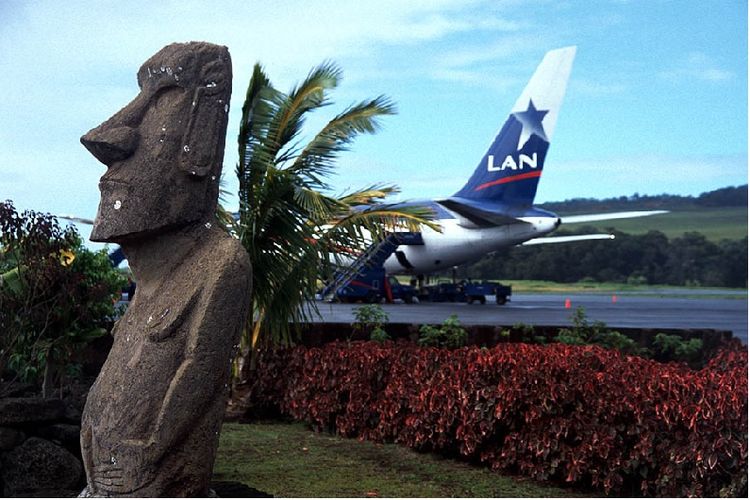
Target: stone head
pixel 164 150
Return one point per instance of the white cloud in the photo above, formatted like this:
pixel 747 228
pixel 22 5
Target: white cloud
pixel 503 62
pixel 597 88
pixel 648 174
pixel 697 66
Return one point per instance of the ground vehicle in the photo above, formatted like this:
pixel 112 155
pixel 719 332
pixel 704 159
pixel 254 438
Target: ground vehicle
pixel 372 285
pixel 446 291
pixel 479 292
pixel 465 291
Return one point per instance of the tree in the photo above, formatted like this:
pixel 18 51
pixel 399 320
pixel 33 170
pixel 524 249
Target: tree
pixel 55 296
pixel 292 230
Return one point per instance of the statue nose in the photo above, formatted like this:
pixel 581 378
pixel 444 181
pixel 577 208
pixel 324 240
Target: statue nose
pixel 111 144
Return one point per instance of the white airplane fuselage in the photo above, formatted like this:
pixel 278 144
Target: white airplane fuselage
pixel 461 241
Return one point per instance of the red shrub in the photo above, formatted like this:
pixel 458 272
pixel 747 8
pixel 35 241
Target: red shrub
pixel 583 415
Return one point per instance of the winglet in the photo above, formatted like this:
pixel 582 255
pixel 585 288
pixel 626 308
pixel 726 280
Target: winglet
pixel 547 87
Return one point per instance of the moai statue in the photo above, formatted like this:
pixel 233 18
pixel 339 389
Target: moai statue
pixel 151 423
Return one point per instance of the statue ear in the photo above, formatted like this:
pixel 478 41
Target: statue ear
pixel 203 137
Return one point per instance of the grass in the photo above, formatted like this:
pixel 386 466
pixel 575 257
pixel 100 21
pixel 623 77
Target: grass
pixel 289 460
pixel 539 286
pixel 714 223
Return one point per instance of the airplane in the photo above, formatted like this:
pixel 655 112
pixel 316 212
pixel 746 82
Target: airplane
pixel 494 209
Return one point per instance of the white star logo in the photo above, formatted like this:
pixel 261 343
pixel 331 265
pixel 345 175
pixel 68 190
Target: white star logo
pixel 531 121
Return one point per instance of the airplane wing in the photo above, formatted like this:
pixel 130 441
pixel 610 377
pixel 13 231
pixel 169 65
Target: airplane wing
pixel 573 219
pixel 568 239
pixel 73 218
pixel 591 218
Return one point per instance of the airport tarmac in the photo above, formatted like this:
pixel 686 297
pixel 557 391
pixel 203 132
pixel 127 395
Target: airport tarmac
pixel 625 310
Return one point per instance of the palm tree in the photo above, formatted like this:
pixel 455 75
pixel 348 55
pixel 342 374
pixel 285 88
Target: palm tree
pixel 290 227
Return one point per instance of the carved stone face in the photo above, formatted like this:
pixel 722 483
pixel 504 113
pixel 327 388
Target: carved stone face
pixel 163 151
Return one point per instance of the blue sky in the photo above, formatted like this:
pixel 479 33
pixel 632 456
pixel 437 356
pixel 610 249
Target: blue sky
pixel 657 100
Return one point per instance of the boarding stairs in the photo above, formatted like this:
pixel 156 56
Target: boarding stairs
pixel 374 257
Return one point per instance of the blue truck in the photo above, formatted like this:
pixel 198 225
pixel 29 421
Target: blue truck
pixel 466 291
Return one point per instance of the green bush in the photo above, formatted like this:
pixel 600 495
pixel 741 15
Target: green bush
pixel 449 335
pixel 369 320
pixel 55 296
pixel 528 334
pixel 379 335
pixel 584 332
pixel 675 348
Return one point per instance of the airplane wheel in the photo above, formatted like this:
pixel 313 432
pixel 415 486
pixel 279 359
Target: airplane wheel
pixel 501 300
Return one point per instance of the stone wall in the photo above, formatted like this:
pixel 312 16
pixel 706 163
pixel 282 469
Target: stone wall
pixel 40 454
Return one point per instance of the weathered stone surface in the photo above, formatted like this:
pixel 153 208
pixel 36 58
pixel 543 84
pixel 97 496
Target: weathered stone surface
pixel 30 410
pixel 39 464
pixel 152 418
pixel 10 438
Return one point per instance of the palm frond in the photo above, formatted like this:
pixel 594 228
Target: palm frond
pixel 227 221
pixel 388 219
pixel 369 195
pixel 308 96
pixel 318 157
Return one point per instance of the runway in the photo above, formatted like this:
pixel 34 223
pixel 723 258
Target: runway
pixel 710 310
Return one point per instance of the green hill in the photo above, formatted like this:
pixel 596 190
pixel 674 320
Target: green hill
pixel 715 224
pixel 720 214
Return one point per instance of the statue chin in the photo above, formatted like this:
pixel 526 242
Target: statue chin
pixel 125 229
pixel 123 233
pixel 123 217
pixel 104 234
pixel 118 225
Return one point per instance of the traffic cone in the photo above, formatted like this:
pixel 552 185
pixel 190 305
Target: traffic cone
pixel 567 304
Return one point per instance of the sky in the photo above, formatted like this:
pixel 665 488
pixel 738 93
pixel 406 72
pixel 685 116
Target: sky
pixel 657 101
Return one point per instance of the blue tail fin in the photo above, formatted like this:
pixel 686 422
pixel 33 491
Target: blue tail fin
pixel 510 170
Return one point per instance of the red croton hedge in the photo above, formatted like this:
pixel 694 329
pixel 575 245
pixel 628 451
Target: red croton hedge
pixel 577 414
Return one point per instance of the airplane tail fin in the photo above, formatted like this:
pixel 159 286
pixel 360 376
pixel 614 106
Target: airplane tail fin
pixel 510 170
